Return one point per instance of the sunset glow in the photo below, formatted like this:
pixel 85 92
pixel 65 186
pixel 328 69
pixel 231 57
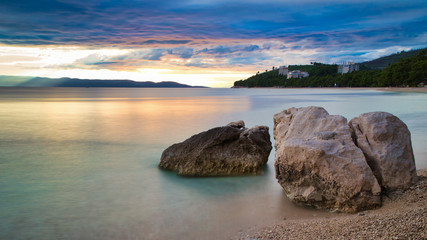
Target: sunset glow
pixel 211 43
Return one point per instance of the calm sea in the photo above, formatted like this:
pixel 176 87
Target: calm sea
pixel 81 163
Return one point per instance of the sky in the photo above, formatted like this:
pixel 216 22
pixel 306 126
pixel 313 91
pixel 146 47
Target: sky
pixel 199 42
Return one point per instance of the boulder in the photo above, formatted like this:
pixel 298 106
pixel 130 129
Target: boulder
pixel 318 164
pixel 221 151
pixel 386 142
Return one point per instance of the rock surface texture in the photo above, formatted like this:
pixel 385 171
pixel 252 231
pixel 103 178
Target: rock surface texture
pixel 221 151
pixel 318 164
pixel 386 142
pixel 323 162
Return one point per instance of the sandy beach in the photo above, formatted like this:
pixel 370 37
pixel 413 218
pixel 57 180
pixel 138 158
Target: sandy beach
pixel 387 89
pixel 402 216
pixel 409 89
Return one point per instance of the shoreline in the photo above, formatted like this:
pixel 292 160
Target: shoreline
pixel 414 89
pixel 402 216
pixel 385 89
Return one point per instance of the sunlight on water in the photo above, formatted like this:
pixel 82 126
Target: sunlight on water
pixel 82 163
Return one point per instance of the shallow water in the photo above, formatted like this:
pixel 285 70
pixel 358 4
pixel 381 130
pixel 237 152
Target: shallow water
pixel 81 163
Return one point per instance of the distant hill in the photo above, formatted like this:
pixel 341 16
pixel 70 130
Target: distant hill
pixel 401 71
pixel 383 62
pixel 20 81
pixel 273 79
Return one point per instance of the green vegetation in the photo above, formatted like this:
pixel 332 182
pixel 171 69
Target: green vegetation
pixel 267 79
pixel 405 72
pixel 316 69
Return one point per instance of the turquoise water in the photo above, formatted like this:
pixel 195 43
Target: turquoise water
pixel 81 163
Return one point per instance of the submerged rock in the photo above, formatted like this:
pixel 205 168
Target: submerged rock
pixel 221 151
pixel 386 142
pixel 318 164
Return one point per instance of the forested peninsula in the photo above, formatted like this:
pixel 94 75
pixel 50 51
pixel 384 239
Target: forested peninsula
pixel 404 69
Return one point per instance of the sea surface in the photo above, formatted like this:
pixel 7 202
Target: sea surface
pixel 81 163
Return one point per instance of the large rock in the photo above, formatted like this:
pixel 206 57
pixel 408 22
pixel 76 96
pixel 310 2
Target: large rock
pixel 221 151
pixel 386 142
pixel 318 164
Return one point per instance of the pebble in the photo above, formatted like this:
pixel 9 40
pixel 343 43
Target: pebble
pixel 403 217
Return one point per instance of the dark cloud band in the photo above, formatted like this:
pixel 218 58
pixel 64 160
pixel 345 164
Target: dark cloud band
pixel 232 33
pixel 181 22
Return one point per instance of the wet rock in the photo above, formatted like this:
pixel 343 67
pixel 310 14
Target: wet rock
pixel 221 151
pixel 386 142
pixel 318 164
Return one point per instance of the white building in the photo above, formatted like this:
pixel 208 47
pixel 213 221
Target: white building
pixel 304 74
pixel 297 74
pixel 348 67
pixel 283 70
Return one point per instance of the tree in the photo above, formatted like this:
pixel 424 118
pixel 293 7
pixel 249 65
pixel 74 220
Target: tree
pixel 406 72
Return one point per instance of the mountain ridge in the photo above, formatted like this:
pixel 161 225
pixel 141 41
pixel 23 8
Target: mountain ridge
pixel 385 61
pixel 22 81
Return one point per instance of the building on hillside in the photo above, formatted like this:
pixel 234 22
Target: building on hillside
pixel 304 74
pixel 283 70
pixel 297 74
pixel 348 67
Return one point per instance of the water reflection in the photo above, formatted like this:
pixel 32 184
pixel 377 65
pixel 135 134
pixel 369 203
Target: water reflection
pixel 82 163
pixel 136 121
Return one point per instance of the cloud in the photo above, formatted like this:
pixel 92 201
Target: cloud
pixel 167 42
pixel 182 52
pixel 141 23
pixel 189 34
pixel 94 59
pixel 183 56
pixel 383 52
pixel 221 49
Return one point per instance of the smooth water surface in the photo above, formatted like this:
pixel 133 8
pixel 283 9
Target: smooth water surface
pixel 81 163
